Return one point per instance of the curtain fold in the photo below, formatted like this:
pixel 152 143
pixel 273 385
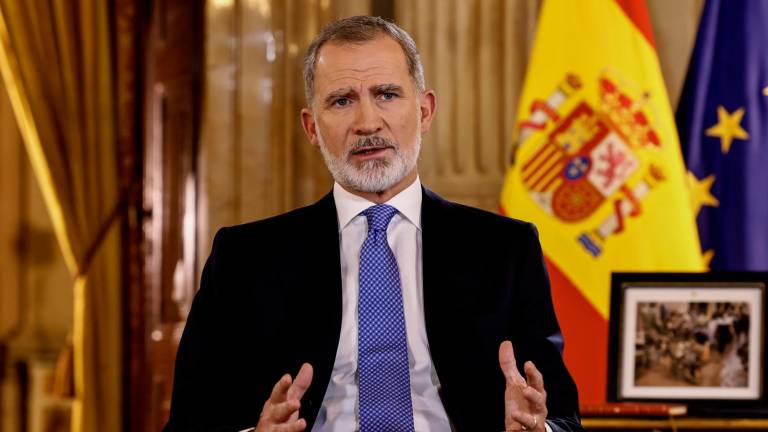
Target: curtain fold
pixel 56 62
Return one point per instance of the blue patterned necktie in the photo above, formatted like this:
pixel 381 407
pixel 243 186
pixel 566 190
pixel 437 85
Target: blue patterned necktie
pixel 382 352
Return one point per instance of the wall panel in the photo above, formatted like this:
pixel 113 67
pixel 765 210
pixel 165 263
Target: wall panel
pixel 474 54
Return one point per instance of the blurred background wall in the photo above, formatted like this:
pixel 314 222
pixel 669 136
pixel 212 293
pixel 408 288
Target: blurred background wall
pixel 207 94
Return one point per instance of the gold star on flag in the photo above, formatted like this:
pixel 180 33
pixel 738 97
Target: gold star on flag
pixel 701 193
pixel 707 258
pixel 727 128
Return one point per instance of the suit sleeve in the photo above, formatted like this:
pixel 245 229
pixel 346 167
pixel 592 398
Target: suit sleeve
pixel 192 405
pixel 538 337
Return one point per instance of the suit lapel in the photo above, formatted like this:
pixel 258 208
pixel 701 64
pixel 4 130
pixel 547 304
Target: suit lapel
pixel 319 285
pixel 435 251
pixel 444 299
pixel 448 301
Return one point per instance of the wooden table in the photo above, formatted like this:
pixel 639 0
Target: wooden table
pixel 674 424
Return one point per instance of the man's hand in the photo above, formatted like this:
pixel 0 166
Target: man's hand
pixel 525 403
pixel 281 410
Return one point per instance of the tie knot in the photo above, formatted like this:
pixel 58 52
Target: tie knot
pixel 379 216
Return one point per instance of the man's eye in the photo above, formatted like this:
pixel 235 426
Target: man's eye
pixel 388 95
pixel 341 102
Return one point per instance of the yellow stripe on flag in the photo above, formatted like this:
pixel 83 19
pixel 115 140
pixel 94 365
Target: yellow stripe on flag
pixel 619 201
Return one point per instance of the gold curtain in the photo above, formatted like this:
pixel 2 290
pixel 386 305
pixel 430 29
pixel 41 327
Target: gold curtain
pixel 55 59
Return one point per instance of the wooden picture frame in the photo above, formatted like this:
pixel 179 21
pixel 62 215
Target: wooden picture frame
pixel 693 338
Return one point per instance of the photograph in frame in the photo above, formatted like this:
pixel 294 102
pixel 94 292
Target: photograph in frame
pixel 691 343
pixel 698 340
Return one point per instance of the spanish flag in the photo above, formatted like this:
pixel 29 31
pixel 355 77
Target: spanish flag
pixel 597 167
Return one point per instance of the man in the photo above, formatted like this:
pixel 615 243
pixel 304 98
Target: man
pixel 399 310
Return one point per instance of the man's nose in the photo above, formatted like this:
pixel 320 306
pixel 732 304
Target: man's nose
pixel 368 119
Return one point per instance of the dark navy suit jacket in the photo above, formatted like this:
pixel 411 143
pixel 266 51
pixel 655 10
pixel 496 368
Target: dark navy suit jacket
pixel 270 300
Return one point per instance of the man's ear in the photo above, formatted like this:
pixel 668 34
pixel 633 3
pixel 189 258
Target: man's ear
pixel 309 126
pixel 428 105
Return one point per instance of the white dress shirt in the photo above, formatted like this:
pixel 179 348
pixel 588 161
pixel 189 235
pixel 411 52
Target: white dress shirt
pixel 339 411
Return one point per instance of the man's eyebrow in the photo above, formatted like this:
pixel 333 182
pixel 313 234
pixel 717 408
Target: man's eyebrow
pixel 387 88
pixel 340 93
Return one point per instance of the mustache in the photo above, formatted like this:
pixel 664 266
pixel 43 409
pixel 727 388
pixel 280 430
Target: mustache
pixel 370 142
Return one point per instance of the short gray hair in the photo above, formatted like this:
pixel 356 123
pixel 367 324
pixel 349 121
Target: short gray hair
pixel 359 29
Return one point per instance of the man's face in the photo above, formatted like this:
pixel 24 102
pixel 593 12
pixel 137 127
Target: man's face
pixel 367 116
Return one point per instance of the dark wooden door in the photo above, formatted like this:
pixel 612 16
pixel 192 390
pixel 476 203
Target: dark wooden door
pixel 170 68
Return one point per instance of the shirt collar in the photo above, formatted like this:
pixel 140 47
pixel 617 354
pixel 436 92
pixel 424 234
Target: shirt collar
pixel 407 203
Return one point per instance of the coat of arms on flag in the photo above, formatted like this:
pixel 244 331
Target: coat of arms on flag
pixel 591 156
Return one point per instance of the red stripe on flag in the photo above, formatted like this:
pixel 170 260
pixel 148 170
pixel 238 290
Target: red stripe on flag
pixel 585 333
pixel 586 337
pixel 637 12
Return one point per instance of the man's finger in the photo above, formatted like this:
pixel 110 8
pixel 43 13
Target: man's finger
pixel 508 364
pixel 510 420
pixel 301 383
pixel 282 411
pixel 530 421
pixel 295 426
pixel 280 390
pixel 535 378
pixel 537 401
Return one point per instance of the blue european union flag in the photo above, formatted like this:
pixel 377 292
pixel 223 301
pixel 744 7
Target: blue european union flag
pixel 723 124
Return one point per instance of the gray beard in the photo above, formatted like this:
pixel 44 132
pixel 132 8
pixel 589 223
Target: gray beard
pixel 375 175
